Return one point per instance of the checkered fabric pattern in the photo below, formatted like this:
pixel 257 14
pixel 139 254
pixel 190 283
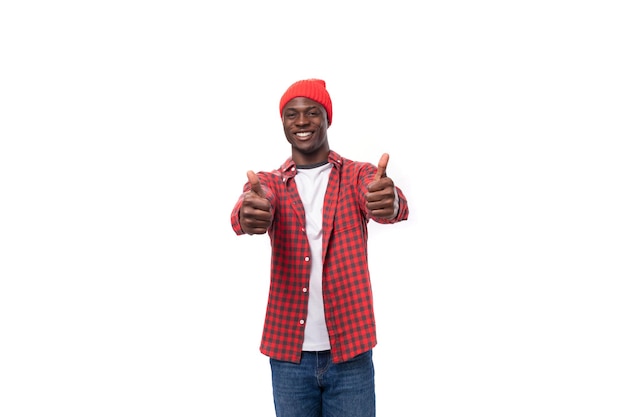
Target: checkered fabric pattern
pixel 348 302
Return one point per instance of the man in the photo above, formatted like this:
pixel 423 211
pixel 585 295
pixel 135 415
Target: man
pixel 319 327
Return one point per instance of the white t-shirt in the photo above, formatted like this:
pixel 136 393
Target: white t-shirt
pixel 311 183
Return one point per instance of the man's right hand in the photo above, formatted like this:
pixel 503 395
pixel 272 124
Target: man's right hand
pixel 255 214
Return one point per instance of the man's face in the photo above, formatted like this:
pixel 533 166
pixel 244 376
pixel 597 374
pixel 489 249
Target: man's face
pixel 305 124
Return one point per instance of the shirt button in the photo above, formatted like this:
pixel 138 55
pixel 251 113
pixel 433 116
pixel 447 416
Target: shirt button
pixel 303 229
pixel 304 289
pixel 306 258
pixel 301 321
pixel 293 168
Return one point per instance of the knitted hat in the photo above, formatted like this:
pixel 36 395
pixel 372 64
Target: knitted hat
pixel 313 89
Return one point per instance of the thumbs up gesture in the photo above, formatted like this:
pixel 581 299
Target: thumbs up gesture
pixel 255 214
pixel 381 195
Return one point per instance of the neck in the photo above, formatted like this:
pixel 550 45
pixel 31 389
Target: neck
pixel 318 157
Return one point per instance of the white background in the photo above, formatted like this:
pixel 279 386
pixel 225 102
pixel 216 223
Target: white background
pixel 127 128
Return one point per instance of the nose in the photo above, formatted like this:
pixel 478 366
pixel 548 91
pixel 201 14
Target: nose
pixel 301 119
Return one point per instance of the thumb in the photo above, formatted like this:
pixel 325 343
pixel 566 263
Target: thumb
pixel 255 184
pixel 382 167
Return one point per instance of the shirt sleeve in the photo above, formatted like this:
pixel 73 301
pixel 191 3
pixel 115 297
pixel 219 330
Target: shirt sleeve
pixel 234 217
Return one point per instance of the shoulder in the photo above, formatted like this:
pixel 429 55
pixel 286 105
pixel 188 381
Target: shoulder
pixel 275 176
pixel 356 168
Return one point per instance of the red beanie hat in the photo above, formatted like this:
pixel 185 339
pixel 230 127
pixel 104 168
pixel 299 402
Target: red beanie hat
pixel 313 89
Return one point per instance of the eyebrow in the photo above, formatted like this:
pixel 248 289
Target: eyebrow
pixel 306 109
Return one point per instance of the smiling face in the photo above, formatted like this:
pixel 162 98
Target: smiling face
pixel 305 124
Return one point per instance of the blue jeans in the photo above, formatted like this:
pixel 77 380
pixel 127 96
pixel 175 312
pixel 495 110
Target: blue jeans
pixel 317 387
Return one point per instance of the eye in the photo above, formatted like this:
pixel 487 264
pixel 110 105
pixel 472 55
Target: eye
pixel 313 113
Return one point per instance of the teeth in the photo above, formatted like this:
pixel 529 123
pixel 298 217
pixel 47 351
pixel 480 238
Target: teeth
pixel 303 134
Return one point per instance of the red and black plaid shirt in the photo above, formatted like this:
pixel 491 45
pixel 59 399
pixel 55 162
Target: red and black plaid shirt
pixel 347 292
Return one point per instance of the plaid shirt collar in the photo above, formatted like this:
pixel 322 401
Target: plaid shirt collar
pixel 288 168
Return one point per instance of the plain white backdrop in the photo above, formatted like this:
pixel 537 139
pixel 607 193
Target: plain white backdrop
pixel 126 131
